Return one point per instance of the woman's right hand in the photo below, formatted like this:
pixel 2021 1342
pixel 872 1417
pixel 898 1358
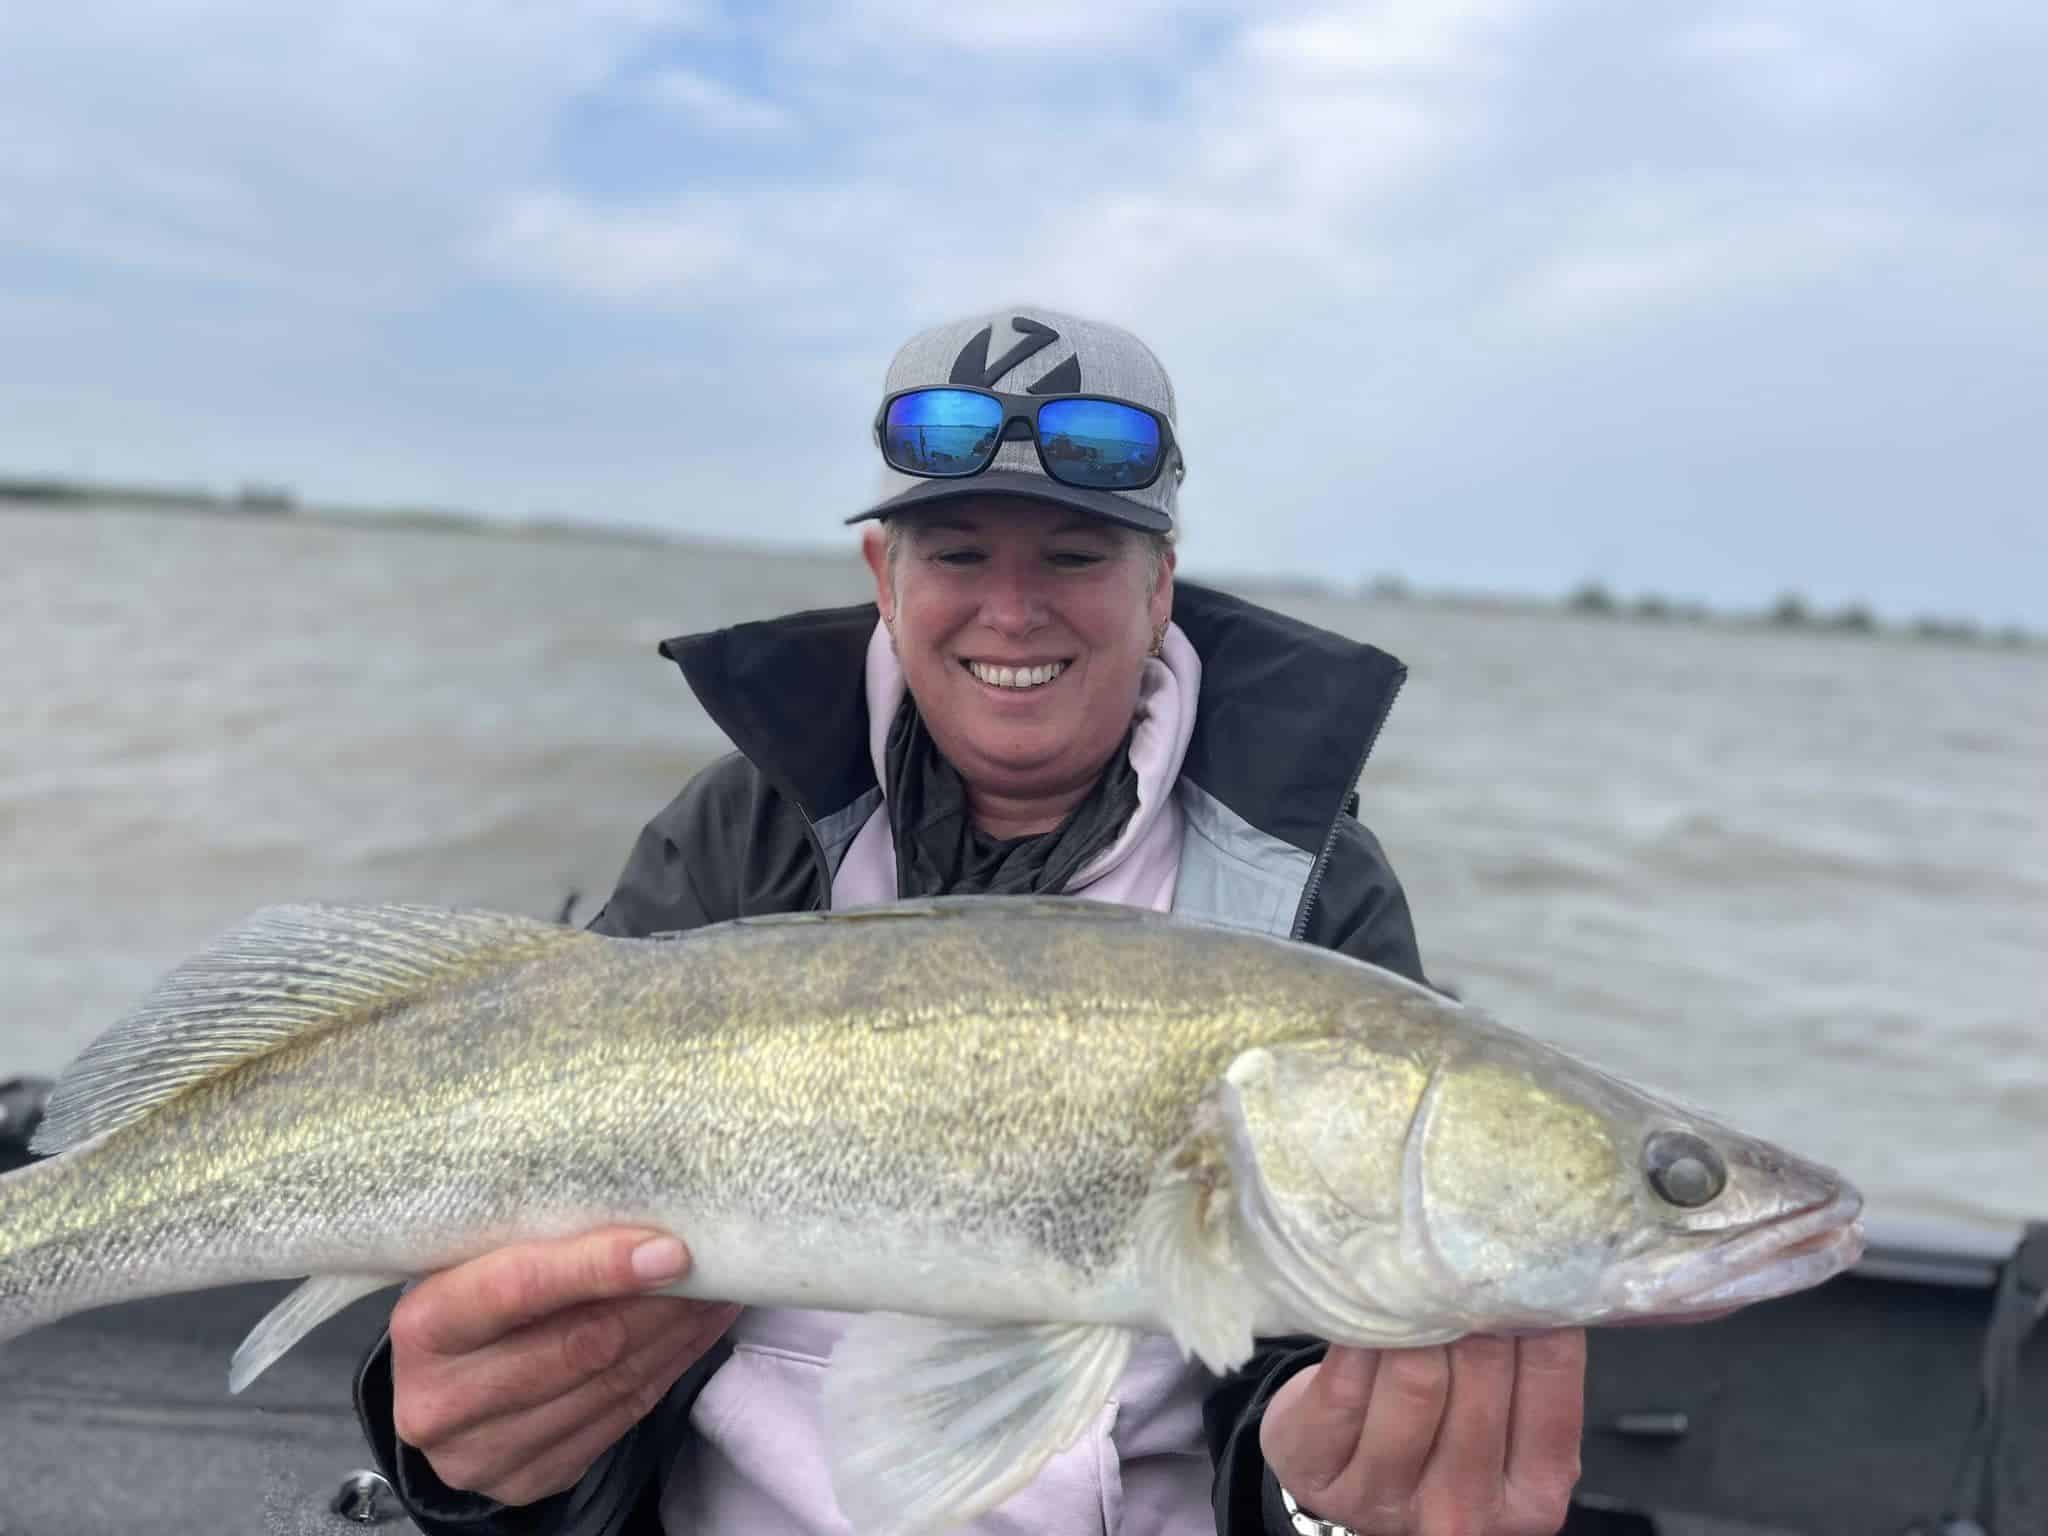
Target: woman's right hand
pixel 514 1372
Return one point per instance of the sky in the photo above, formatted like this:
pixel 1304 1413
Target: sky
pixel 1714 300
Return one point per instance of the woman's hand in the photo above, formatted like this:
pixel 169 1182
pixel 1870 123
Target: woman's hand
pixel 1475 1438
pixel 514 1372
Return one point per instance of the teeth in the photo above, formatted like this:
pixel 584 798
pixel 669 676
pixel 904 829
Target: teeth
pixel 1017 677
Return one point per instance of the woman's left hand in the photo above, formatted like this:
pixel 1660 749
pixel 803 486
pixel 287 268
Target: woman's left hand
pixel 1479 1437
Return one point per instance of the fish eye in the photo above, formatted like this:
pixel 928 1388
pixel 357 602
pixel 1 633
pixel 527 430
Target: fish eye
pixel 1683 1169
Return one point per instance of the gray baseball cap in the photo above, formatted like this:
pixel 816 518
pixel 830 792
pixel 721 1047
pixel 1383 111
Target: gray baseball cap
pixel 1029 350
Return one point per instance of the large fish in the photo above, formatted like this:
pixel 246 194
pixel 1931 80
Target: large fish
pixel 1013 1133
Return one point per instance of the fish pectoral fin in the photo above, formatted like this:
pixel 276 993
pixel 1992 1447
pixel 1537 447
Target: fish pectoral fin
pixel 296 1316
pixel 931 1422
pixel 1192 1254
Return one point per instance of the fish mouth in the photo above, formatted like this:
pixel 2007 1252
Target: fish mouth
pixel 1792 1253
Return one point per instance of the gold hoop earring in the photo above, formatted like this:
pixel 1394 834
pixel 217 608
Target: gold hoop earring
pixel 1158 639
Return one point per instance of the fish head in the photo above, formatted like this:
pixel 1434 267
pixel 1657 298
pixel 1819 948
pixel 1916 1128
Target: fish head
pixel 1547 1192
pixel 1497 1185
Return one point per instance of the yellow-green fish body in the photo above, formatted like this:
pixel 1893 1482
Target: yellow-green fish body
pixel 1045 1123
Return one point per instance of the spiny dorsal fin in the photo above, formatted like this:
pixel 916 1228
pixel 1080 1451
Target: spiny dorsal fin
pixel 983 908
pixel 287 973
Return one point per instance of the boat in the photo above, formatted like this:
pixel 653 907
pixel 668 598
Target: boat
pixel 1907 1397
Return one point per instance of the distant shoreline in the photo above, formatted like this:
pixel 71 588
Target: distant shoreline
pixel 1790 612
pixel 259 500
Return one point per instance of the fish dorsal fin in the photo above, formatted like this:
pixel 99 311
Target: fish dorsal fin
pixel 1038 905
pixel 984 908
pixel 287 973
pixel 930 1423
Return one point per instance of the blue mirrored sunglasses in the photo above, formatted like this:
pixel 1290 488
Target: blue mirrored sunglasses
pixel 953 430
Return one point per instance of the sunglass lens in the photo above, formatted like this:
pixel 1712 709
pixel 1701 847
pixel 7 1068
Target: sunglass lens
pixel 1098 443
pixel 941 432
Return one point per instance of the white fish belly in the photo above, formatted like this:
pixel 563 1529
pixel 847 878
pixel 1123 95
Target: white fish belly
pixel 873 1266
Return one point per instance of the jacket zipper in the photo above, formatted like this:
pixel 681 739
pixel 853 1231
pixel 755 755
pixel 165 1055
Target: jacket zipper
pixel 818 853
pixel 1322 863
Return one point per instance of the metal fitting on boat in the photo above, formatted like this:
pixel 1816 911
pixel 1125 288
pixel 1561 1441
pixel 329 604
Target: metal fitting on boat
pixel 365 1498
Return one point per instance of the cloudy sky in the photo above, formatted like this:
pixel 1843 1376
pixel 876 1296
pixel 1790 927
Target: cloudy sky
pixel 1715 298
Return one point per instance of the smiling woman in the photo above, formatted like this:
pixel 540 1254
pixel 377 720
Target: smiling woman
pixel 1031 704
pixel 1022 630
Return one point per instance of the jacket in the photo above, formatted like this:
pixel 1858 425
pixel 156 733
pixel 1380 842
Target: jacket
pixel 1287 716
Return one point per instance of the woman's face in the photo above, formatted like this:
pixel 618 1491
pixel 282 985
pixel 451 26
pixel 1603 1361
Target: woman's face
pixel 987 588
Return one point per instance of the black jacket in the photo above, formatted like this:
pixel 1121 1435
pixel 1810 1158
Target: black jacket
pixel 1286 717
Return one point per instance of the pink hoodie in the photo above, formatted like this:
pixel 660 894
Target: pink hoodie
pixel 755 1466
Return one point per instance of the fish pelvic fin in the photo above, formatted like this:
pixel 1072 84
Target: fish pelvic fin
pixel 929 1423
pixel 288 973
pixel 296 1316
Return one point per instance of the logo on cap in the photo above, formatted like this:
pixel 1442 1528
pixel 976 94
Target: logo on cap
pixel 973 367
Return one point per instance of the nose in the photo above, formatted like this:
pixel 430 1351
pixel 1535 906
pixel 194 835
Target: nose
pixel 1013 602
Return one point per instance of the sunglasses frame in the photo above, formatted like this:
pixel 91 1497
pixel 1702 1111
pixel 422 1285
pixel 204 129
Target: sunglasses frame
pixel 1025 408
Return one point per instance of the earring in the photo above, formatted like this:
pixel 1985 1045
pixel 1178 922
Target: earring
pixel 1158 638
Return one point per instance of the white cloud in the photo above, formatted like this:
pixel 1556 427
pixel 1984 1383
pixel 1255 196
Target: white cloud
pixel 719 109
pixel 333 149
pixel 1067 28
pixel 1814 67
pixel 1406 210
pixel 624 257
pixel 1742 37
pixel 1264 161
pixel 1397 39
pixel 1644 245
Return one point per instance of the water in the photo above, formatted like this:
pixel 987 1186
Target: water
pixel 1800 879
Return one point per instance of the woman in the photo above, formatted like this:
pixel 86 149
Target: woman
pixel 1029 705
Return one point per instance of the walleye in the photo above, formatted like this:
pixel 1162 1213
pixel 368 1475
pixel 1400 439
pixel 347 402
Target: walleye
pixel 1013 1133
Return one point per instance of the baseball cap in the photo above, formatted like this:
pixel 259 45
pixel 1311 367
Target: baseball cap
pixel 1030 350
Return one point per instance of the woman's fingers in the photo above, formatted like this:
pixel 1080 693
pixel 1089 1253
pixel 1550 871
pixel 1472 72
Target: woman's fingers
pixel 1545 1424
pixel 1310 1433
pixel 513 1372
pixel 1479 1437
pixel 530 1452
pixel 1408 1403
pixel 546 1359
pixel 1461 1487
pixel 463 1309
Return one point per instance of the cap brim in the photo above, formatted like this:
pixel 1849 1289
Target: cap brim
pixel 1009 482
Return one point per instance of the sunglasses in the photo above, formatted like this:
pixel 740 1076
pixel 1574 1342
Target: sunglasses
pixel 1091 441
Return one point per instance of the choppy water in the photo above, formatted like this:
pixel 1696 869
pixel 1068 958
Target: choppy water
pixel 1800 879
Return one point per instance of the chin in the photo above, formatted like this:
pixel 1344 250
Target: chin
pixel 1013 769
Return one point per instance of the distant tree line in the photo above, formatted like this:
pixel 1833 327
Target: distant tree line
pixel 1791 610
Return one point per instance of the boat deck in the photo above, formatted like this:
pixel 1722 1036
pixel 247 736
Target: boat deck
pixel 120 1420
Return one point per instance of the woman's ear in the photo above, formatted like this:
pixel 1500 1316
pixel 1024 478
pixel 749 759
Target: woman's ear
pixel 1162 590
pixel 874 548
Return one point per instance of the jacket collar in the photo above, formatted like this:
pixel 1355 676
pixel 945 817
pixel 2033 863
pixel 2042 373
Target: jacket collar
pixel 1285 719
